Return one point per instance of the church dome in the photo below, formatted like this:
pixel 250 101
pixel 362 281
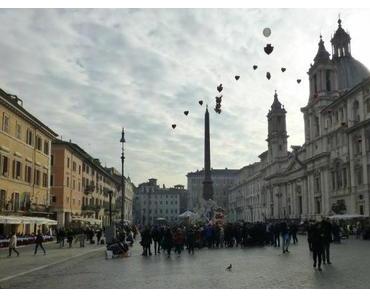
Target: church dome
pixel 350 72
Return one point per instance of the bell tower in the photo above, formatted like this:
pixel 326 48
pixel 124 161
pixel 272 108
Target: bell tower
pixel 277 138
pixel 341 43
pixel 321 74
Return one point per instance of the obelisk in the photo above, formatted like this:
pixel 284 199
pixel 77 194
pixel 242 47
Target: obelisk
pixel 207 183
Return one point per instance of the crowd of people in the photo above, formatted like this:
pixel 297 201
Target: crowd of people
pixel 177 238
pixel 167 239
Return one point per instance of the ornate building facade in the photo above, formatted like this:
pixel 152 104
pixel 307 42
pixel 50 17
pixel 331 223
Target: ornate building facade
pixel 80 186
pixel 330 172
pixel 25 146
pixel 153 202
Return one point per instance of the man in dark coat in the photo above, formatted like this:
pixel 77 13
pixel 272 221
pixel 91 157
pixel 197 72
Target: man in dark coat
pixel 327 231
pixel 190 240
pixel 277 235
pixel 146 241
pixel 317 241
pixel 157 239
pixel 168 241
pixel 39 240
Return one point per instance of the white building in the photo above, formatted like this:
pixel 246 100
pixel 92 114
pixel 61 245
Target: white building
pixel 153 202
pixel 222 179
pixel 330 172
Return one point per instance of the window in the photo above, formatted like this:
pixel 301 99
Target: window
pixel 52 160
pixel 328 82
pixel 53 199
pixel 27 174
pixel 318 205
pixel 79 169
pixel 74 166
pixel 17 166
pixel 39 143
pixel 51 180
pixel 315 83
pixel 333 180
pixel 46 147
pixel 67 181
pixel 344 175
pixel 79 186
pixel 361 209
pixel 300 205
pixel 67 162
pixel 29 138
pixel 37 177
pixel 45 180
pixel 317 184
pixel 18 131
pixel 5 123
pixel 359 175
pixel 368 105
pixel 5 166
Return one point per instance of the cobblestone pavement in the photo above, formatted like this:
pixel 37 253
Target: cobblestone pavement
pixel 257 267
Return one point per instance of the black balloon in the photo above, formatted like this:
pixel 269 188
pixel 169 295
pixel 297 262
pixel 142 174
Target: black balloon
pixel 220 88
pixel 237 77
pixel 255 67
pixel 268 48
pixel 200 102
pixel 218 99
pixel 283 69
pixel 186 112
pixel 173 126
pixel 268 75
pixel 298 81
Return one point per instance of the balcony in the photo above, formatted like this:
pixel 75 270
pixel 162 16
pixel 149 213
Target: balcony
pixel 90 208
pixel 89 189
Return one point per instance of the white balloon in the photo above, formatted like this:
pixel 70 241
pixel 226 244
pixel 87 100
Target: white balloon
pixel 266 32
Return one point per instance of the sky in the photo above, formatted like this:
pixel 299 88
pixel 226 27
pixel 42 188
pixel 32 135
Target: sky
pixel 86 73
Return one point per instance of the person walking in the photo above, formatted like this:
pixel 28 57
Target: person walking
pixel 276 231
pixel 62 236
pixel 293 231
pixel 285 236
pixel 317 243
pixel 190 240
pixel 39 241
pixel 70 238
pixel 98 236
pixel 13 245
pixel 178 241
pixel 168 241
pixel 327 232
pixel 82 238
pixel 146 241
pixel 156 239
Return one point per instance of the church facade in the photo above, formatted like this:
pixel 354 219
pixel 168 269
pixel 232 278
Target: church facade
pixel 328 174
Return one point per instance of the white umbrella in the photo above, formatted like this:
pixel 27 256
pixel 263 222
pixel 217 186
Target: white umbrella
pixel 187 214
pixel 346 217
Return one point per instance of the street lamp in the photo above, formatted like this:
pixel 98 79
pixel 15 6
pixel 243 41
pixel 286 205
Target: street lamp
pixel 123 178
pixel 110 193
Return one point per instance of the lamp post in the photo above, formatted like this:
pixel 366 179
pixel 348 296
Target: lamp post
pixel 123 178
pixel 110 193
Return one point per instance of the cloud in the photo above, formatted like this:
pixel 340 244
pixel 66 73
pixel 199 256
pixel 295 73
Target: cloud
pixel 88 72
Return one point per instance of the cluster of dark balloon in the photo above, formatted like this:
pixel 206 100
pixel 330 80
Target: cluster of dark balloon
pixel 268 50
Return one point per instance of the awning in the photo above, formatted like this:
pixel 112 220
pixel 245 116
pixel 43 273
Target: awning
pixel 347 217
pixel 15 220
